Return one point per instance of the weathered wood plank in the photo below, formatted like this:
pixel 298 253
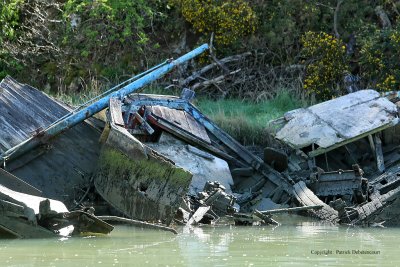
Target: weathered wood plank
pixel 181 119
pixel 198 215
pixel 116 112
pixel 173 129
pixel 380 164
pixel 144 124
pixel 197 128
pixel 307 198
pixel 336 122
pixel 69 159
pixel 14 183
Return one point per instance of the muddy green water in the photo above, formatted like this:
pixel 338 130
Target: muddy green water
pixel 295 243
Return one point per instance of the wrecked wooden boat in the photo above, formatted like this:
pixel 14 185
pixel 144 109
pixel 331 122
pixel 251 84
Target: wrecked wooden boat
pixel 346 151
pixel 53 148
pixel 173 127
pixel 29 216
pixel 152 147
pixel 60 168
pixel 134 178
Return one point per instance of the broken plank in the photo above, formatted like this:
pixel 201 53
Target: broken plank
pixel 265 217
pixel 199 152
pixel 307 198
pixel 177 131
pixel 144 123
pixel 380 164
pixel 116 112
pixel 181 119
pixel 14 183
pixel 315 207
pixel 137 223
pixel 198 215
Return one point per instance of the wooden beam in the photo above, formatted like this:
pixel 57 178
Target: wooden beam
pixel 380 163
pixel 322 150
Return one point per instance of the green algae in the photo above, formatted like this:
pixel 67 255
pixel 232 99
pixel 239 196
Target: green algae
pixel 155 168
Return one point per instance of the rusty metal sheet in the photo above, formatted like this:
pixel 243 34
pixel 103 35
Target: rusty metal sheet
pixel 65 164
pixel 181 119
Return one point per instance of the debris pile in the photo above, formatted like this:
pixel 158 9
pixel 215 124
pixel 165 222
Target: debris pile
pixel 346 150
pixel 28 216
pixel 161 161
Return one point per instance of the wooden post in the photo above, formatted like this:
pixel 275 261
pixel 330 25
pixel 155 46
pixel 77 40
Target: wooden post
pixel 380 163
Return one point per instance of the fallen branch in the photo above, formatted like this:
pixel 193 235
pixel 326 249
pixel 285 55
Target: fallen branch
pixel 316 207
pixel 216 60
pixel 137 223
pixel 209 67
pixel 214 81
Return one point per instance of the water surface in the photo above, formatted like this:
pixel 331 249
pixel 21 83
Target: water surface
pixel 298 242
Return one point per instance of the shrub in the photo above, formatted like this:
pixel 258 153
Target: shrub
pixel 229 20
pixel 326 64
pixel 106 22
pixel 379 57
pixel 9 22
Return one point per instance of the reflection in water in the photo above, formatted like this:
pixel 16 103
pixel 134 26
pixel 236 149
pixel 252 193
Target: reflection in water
pixel 295 243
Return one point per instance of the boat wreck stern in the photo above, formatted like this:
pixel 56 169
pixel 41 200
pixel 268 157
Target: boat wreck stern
pixel 138 181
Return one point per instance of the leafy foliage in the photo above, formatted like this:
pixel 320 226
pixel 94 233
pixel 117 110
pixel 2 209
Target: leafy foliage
pixel 9 22
pixel 327 65
pixel 9 18
pixel 108 22
pixel 229 20
pixel 379 58
pixel 68 45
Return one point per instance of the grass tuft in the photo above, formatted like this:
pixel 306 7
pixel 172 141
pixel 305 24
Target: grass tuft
pixel 247 121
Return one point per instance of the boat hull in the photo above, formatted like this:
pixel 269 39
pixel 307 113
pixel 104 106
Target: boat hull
pixel 138 181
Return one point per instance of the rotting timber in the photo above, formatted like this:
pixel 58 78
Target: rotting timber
pixel 346 151
pixel 150 120
pixel 139 170
pixel 39 148
pixel 134 178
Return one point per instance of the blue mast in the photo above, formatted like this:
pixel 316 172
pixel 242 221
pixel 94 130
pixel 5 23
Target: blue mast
pixel 78 117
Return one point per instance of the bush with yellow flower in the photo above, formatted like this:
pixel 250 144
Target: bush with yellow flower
pixel 326 64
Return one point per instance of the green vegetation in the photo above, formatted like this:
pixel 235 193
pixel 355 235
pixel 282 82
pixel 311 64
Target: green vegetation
pixel 76 49
pixel 64 45
pixel 229 20
pixel 147 170
pixel 329 67
pixel 246 121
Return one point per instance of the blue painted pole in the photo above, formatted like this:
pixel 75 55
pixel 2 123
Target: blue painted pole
pixel 96 107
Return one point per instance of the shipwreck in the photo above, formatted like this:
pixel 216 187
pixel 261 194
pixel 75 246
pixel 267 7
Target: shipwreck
pixel 346 151
pixel 159 159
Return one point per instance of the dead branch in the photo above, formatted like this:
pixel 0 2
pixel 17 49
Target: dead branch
pixel 383 17
pixel 36 37
pixel 137 223
pixel 335 18
pixel 211 66
pixel 216 80
pixel 212 55
pixel 395 8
